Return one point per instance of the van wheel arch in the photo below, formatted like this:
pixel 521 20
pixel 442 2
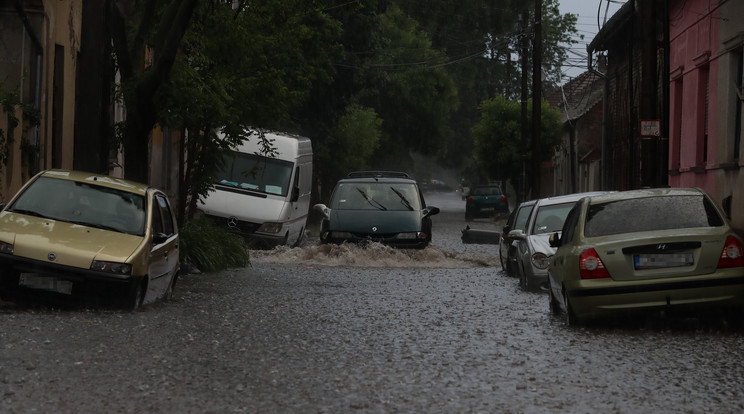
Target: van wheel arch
pixel 300 237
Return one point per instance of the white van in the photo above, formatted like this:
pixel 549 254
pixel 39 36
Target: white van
pixel 262 197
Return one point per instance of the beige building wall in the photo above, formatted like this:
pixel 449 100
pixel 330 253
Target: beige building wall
pixel 38 60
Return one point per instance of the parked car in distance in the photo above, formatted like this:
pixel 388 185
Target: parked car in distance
pixel 377 206
pixel 485 201
pixel 645 250
pixel 533 250
pixel 68 235
pixel 517 220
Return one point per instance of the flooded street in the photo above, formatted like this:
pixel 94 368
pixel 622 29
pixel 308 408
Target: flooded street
pixel 332 329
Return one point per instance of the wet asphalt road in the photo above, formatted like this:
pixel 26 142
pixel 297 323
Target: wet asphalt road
pixel 338 330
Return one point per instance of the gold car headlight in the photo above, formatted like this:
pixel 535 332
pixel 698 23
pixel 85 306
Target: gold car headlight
pixel 111 267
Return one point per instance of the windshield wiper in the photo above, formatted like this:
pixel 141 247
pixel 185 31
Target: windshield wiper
pixel 30 213
pixel 374 203
pixel 94 225
pixel 403 199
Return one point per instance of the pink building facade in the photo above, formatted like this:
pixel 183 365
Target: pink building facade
pixel 693 64
pixel 705 100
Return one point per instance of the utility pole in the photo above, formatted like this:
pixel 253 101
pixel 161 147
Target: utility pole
pixel 536 99
pixel 524 49
pixel 649 92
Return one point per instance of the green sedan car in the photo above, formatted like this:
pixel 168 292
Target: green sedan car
pixel 377 206
pixel 645 250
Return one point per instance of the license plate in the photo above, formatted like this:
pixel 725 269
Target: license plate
pixel 656 261
pixel 51 283
pixel 487 210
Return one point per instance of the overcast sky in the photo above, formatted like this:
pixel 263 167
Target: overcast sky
pixel 589 12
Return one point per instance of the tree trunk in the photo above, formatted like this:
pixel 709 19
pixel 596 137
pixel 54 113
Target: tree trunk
pixel 93 95
pixel 143 86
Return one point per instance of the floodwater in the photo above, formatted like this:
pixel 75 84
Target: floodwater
pixel 346 329
pixel 447 251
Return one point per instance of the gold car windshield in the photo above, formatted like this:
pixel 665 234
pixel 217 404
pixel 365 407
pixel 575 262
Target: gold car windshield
pixel 84 204
pixel 376 196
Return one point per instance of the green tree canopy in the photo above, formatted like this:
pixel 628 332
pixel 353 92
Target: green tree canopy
pixel 242 69
pixel 499 151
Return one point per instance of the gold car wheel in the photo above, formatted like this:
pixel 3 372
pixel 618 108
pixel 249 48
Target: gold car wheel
pixel 569 316
pixel 171 287
pixel 137 295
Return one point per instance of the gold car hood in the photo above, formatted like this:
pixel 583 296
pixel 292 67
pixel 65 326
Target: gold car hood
pixel 64 243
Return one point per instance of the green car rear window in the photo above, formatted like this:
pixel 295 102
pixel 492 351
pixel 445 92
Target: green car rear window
pixel 651 214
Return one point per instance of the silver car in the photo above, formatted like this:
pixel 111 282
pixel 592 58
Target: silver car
pixel 508 243
pixel 533 247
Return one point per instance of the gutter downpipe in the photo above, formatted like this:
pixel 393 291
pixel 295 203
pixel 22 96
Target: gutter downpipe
pixel 603 184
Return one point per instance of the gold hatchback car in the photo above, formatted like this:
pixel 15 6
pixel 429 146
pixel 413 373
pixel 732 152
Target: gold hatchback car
pixel 645 250
pixel 70 234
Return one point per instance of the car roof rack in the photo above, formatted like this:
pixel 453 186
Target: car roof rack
pixel 378 174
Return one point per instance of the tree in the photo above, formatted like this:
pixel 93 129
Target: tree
pixel 242 70
pixel 481 40
pixel 415 94
pixel 93 131
pixel 146 39
pixel 354 139
pixel 497 138
pixel 390 68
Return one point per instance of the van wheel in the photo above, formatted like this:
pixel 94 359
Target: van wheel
pixel 299 238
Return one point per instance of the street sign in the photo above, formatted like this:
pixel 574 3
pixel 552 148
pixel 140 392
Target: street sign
pixel 650 128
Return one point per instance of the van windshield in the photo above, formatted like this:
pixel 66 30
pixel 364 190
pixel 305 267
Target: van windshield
pixel 256 173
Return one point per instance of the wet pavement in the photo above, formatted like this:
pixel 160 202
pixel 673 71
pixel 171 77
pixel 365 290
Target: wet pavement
pixel 336 329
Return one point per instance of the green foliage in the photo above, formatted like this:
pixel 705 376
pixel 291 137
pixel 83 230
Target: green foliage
pixel 497 145
pixel 481 41
pixel 243 69
pixel 30 117
pixel 415 96
pixel 559 34
pixel 390 67
pixel 499 151
pixel 355 138
pixel 211 248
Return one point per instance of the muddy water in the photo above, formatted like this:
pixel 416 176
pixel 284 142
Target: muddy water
pixel 447 251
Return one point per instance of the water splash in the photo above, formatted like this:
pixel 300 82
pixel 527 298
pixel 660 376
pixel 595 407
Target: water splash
pixel 372 255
